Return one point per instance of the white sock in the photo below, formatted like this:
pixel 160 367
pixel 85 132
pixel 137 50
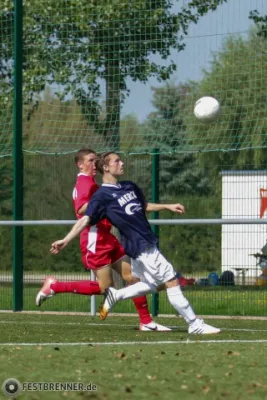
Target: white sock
pixel 135 290
pixel 181 304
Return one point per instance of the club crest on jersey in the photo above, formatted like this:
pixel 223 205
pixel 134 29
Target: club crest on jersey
pixel 131 208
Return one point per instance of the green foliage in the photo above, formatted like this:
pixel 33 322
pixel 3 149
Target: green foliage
pixel 180 173
pixel 6 187
pixel 193 248
pixel 37 242
pixel 240 88
pixel 81 46
pixel 261 23
pixel 48 195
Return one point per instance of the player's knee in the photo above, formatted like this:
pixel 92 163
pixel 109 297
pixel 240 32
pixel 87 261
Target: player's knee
pixel 130 279
pixel 105 284
pixel 171 283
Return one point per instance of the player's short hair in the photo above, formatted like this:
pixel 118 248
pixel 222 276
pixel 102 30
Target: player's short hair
pixel 81 153
pixel 103 159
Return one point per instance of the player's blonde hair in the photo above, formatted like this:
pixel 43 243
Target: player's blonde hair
pixel 103 159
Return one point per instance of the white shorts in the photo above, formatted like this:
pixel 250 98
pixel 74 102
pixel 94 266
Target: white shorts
pixel 152 267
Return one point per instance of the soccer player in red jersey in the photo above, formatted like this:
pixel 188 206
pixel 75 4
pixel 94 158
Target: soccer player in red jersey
pixel 124 204
pixel 101 251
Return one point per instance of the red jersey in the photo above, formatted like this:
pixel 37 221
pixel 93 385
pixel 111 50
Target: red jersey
pixel 97 241
pixel 84 189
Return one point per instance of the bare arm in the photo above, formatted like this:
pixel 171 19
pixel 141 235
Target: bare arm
pixel 83 208
pixel 75 231
pixel 176 208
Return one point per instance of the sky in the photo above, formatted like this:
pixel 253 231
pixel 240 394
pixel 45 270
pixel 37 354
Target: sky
pixel 202 40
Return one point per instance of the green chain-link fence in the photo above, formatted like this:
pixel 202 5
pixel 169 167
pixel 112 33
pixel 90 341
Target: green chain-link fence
pixel 80 62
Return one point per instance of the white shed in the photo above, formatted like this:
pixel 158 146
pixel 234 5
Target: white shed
pixel 244 196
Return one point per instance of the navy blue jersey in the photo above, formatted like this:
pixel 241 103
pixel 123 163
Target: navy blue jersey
pixel 124 206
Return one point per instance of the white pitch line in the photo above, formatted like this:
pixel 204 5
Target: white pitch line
pixel 86 314
pixel 88 324
pixel 135 343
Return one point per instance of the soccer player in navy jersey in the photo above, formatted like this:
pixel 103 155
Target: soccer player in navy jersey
pixel 124 205
pixel 101 251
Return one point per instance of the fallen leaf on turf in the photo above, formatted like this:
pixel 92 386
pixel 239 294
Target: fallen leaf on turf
pixel 233 353
pixel 120 355
pixel 205 389
pixel 258 384
pixel 151 378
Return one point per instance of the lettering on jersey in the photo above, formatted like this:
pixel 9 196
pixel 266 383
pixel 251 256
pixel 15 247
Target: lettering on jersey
pixel 74 194
pixel 126 198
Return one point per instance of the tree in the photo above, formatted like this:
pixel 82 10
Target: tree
pixel 261 23
pixel 78 44
pixel 165 128
pixel 238 138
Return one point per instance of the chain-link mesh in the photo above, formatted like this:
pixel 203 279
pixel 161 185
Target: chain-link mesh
pixel 82 60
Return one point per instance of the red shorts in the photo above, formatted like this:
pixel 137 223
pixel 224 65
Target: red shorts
pixel 108 250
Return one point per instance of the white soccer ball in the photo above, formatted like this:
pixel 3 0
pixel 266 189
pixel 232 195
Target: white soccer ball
pixel 207 109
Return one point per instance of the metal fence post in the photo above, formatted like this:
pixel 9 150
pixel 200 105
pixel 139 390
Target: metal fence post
pixel 155 215
pixel 17 261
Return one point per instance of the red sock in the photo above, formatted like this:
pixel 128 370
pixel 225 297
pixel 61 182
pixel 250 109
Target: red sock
pixel 142 309
pixel 78 287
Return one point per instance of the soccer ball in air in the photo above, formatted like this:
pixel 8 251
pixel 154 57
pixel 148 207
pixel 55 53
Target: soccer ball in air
pixel 207 109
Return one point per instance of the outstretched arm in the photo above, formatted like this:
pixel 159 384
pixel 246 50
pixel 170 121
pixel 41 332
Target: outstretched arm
pixel 75 231
pixel 176 208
